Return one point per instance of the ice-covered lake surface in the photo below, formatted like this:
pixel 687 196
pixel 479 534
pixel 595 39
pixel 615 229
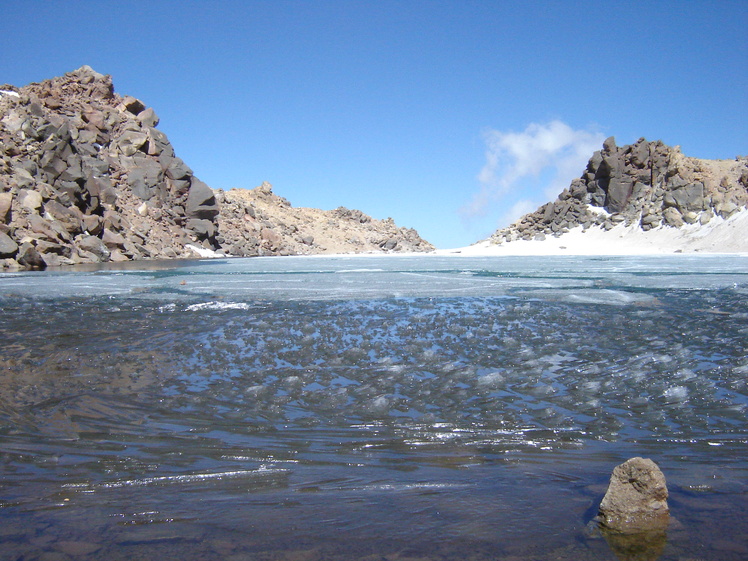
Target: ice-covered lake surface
pixel 369 407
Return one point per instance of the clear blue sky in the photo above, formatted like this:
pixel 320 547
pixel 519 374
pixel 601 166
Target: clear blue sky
pixel 449 116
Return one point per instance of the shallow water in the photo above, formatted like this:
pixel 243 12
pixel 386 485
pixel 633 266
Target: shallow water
pixel 369 408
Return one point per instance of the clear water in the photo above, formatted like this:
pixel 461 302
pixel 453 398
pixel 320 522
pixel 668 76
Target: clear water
pixel 369 407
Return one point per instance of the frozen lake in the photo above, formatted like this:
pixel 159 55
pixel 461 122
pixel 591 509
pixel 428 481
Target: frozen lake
pixel 390 407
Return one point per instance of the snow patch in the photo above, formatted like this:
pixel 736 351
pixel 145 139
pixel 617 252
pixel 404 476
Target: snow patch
pixel 203 252
pixel 719 235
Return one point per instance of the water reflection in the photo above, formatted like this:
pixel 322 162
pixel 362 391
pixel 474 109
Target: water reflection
pixel 636 547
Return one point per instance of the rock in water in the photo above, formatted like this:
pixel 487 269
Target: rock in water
pixel 636 500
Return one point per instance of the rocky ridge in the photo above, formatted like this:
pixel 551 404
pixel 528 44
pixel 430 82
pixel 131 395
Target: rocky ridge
pixel 86 176
pixel 646 184
pixel 259 222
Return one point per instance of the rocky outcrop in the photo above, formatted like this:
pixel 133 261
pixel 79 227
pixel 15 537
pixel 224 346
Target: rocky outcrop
pixel 259 222
pixel 85 176
pixel 647 184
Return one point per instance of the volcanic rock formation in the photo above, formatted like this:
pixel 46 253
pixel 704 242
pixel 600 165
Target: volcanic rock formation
pixel 648 184
pixel 85 176
pixel 259 222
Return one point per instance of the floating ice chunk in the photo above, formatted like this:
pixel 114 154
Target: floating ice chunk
pixel 542 390
pixel 293 382
pixel 379 404
pixel 592 387
pixel 262 471
pixel 743 369
pixel 429 355
pixel 591 296
pixel 609 297
pixel 491 380
pixel 676 394
pixel 660 358
pixel 257 391
pixel 413 486
pixel 686 374
pixel 218 306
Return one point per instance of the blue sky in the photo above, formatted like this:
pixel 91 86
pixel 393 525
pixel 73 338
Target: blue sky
pixel 452 117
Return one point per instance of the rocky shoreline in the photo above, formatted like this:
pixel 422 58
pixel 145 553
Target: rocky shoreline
pixel 86 177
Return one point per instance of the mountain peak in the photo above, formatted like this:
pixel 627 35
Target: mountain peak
pixel 85 176
pixel 647 184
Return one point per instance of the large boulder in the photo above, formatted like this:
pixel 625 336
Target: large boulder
pixel 145 178
pixel 8 247
pixel 93 245
pixel 131 142
pixel 686 197
pixel 636 499
pixel 29 257
pixel 620 189
pixel 30 200
pixel 69 216
pixel 6 203
pixel 201 201
pixel 673 217
pixel 203 229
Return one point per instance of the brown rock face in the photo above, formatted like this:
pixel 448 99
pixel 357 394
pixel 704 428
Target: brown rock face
pixel 76 161
pixel 636 500
pixel 259 222
pixel 86 177
pixel 647 184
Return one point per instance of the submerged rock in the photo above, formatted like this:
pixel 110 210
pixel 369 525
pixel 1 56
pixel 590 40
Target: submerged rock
pixel 636 500
pixel 637 547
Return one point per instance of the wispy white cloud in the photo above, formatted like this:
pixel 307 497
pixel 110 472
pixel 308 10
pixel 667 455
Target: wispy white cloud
pixel 553 150
pixel 518 210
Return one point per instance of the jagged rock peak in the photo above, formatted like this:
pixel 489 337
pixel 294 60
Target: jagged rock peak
pixel 76 87
pixel 85 176
pixel 649 184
